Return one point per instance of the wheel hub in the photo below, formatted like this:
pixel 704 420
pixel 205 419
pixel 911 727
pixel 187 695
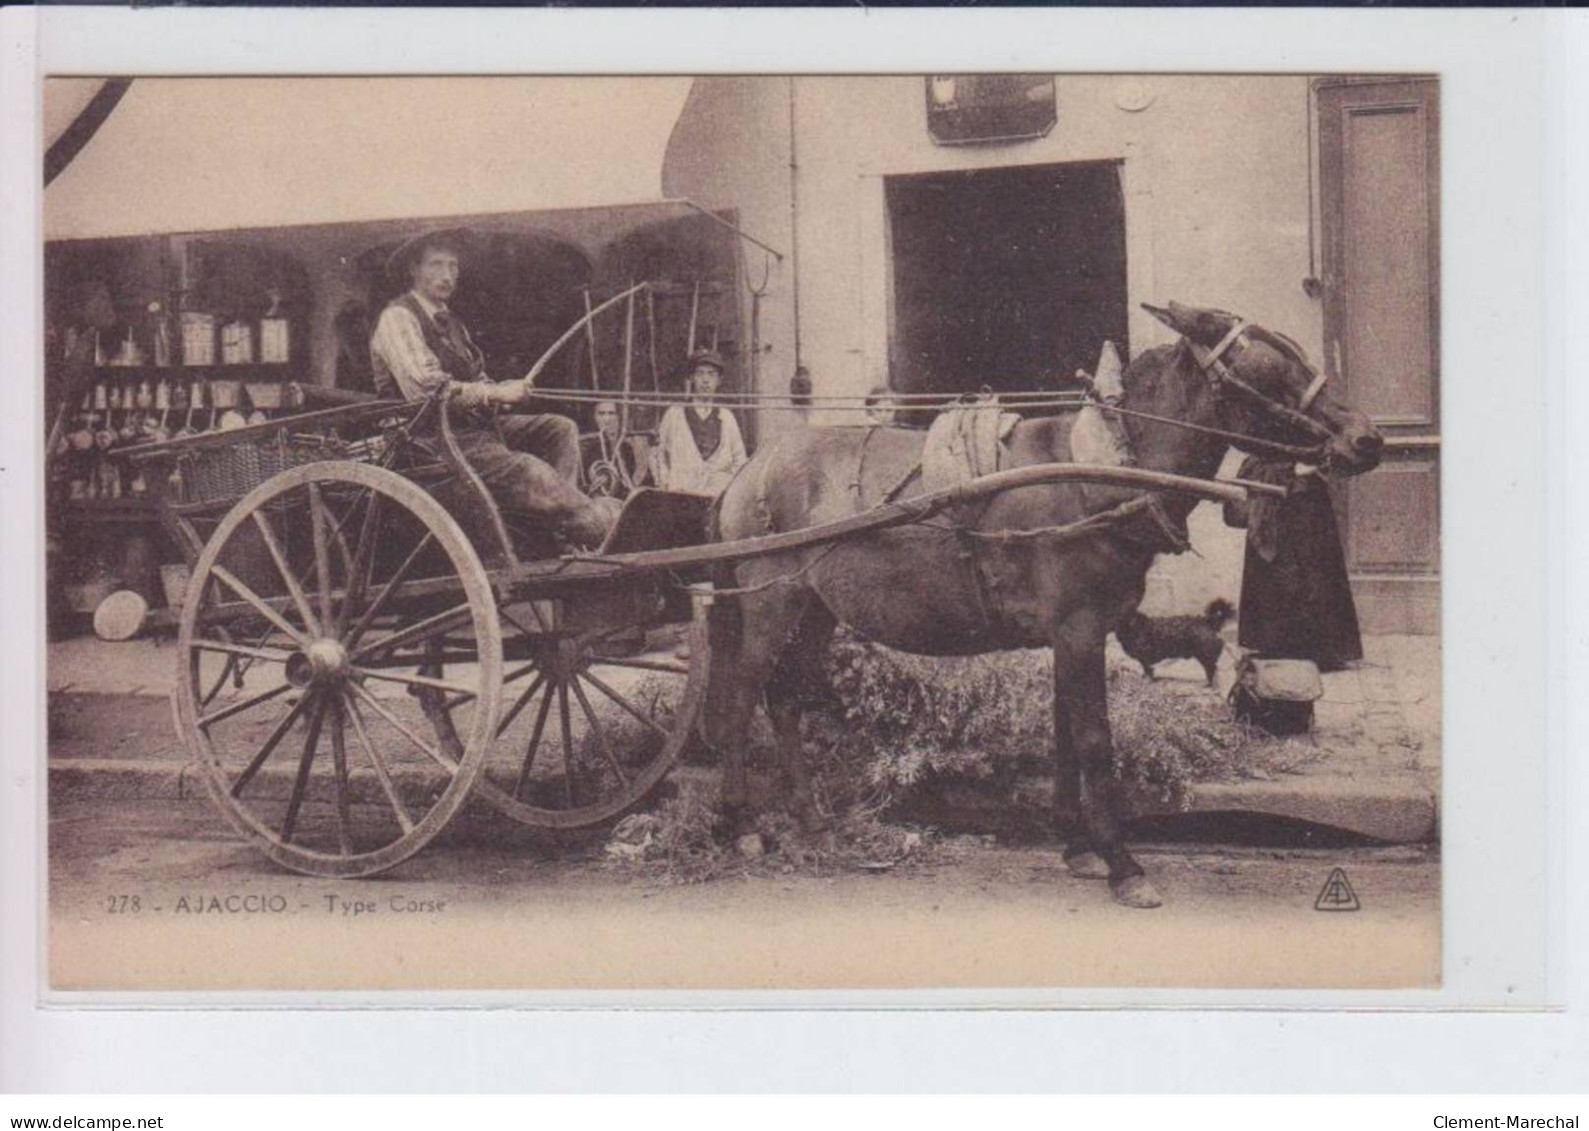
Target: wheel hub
pixel 321 661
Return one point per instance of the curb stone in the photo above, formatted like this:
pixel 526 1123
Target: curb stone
pixel 1394 810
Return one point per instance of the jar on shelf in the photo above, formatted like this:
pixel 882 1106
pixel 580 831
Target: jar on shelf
pixel 237 343
pixel 198 338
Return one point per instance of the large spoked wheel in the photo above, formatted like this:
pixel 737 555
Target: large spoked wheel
pixel 600 701
pixel 335 649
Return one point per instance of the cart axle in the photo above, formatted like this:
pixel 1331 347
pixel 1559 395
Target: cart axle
pixel 321 661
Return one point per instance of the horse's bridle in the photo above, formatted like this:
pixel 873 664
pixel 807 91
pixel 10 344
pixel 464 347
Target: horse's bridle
pixel 1220 377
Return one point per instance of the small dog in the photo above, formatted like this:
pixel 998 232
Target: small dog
pixel 1150 640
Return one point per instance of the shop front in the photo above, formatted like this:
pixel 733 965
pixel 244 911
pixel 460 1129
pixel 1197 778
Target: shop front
pixel 959 233
pixel 212 283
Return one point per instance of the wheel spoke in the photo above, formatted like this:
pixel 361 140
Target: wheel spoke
pixel 261 606
pixel 458 689
pixel 418 631
pixel 535 744
pixel 519 673
pixel 568 744
pixel 209 720
pixel 601 735
pixel 233 669
pixel 363 560
pixel 271 654
pixel 339 763
pixel 535 610
pixel 386 592
pixel 641 665
pixel 512 677
pixel 299 598
pixel 271 743
pixel 322 550
pixel 518 704
pixel 397 724
pixel 300 784
pixel 639 715
pixel 381 773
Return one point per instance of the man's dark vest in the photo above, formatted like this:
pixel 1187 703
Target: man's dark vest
pixel 456 353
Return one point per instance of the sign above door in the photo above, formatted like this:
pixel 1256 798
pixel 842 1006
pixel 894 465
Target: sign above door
pixel 972 109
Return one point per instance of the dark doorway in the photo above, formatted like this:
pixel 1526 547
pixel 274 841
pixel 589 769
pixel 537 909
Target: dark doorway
pixel 1005 278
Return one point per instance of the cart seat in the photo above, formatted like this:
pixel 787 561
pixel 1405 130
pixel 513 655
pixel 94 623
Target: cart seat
pixel 653 519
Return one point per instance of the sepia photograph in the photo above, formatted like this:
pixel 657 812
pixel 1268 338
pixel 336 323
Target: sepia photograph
pixel 773 532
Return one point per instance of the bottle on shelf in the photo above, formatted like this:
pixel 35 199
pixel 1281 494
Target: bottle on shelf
pixel 274 336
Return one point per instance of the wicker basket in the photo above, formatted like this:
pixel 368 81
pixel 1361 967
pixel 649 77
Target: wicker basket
pixel 224 474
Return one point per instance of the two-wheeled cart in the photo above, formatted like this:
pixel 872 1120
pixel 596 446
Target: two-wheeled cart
pixel 367 641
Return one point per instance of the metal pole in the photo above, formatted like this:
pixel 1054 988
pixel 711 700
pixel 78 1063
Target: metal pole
pixel 695 310
pixel 794 222
pixel 590 336
pixel 628 367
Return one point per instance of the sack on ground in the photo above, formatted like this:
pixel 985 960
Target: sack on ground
pixel 1276 695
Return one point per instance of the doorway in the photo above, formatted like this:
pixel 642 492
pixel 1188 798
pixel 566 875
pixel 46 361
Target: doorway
pixel 1008 278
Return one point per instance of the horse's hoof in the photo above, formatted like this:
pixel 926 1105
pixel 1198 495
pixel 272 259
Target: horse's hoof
pixel 1087 866
pixel 1136 891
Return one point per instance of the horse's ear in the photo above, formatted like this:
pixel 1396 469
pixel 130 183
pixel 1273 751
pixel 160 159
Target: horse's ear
pixel 1202 326
pixel 1175 316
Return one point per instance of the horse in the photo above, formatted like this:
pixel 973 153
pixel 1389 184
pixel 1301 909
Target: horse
pixel 999 575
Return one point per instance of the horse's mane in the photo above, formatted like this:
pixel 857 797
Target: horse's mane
pixel 1280 342
pixel 1285 346
pixel 1148 361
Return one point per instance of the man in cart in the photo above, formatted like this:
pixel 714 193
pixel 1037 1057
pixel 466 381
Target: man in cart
pixel 528 461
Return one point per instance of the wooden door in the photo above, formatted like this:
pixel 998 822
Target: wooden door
pixel 1379 162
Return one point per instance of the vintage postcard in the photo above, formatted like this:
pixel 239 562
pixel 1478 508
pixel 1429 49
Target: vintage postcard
pixel 956 532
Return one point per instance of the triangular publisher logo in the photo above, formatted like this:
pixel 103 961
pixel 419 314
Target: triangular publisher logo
pixel 1337 894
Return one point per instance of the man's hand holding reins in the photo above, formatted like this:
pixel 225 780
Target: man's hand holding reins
pixel 480 394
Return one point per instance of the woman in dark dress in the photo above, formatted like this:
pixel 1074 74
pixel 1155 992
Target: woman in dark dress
pixel 1296 601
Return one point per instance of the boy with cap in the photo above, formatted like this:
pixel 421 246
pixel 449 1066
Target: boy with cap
pixel 699 447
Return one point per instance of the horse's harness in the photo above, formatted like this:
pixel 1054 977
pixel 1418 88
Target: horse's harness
pixel 1160 533
pixel 1156 531
pixel 1220 377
